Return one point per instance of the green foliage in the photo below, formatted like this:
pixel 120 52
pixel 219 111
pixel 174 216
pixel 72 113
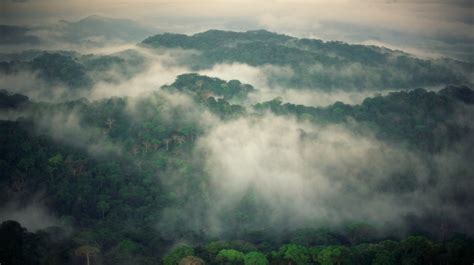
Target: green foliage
pixel 108 67
pixel 52 247
pixel 176 254
pixel 73 70
pixel 255 258
pixel 292 253
pixel 313 63
pixel 357 232
pixel 334 255
pixel 125 171
pixel 55 67
pixel 56 160
pixel 419 118
pixel 313 237
pixel 212 249
pixel 201 87
pixel 230 256
pixel 416 250
pixel 103 206
pixel 384 258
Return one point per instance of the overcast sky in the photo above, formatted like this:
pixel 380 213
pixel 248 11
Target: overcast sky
pixel 425 27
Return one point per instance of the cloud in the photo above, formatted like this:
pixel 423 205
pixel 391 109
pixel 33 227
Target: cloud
pixel 34 215
pixel 314 97
pixel 159 68
pixel 300 172
pixel 291 174
pixel 271 81
pixel 67 127
pixel 163 67
pixel 172 107
pixel 420 53
pixel 28 83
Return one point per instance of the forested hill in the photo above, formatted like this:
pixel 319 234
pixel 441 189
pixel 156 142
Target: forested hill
pixel 315 63
pixel 282 61
pixel 71 70
pixel 417 118
pixel 127 177
pixel 215 144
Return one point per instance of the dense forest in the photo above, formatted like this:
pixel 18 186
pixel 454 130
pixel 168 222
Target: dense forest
pixel 114 191
pixel 144 156
pixel 315 63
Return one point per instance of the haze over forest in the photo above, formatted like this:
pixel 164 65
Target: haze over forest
pixel 236 132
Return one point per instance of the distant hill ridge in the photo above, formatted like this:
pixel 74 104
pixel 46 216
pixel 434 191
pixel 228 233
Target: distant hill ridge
pixel 316 63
